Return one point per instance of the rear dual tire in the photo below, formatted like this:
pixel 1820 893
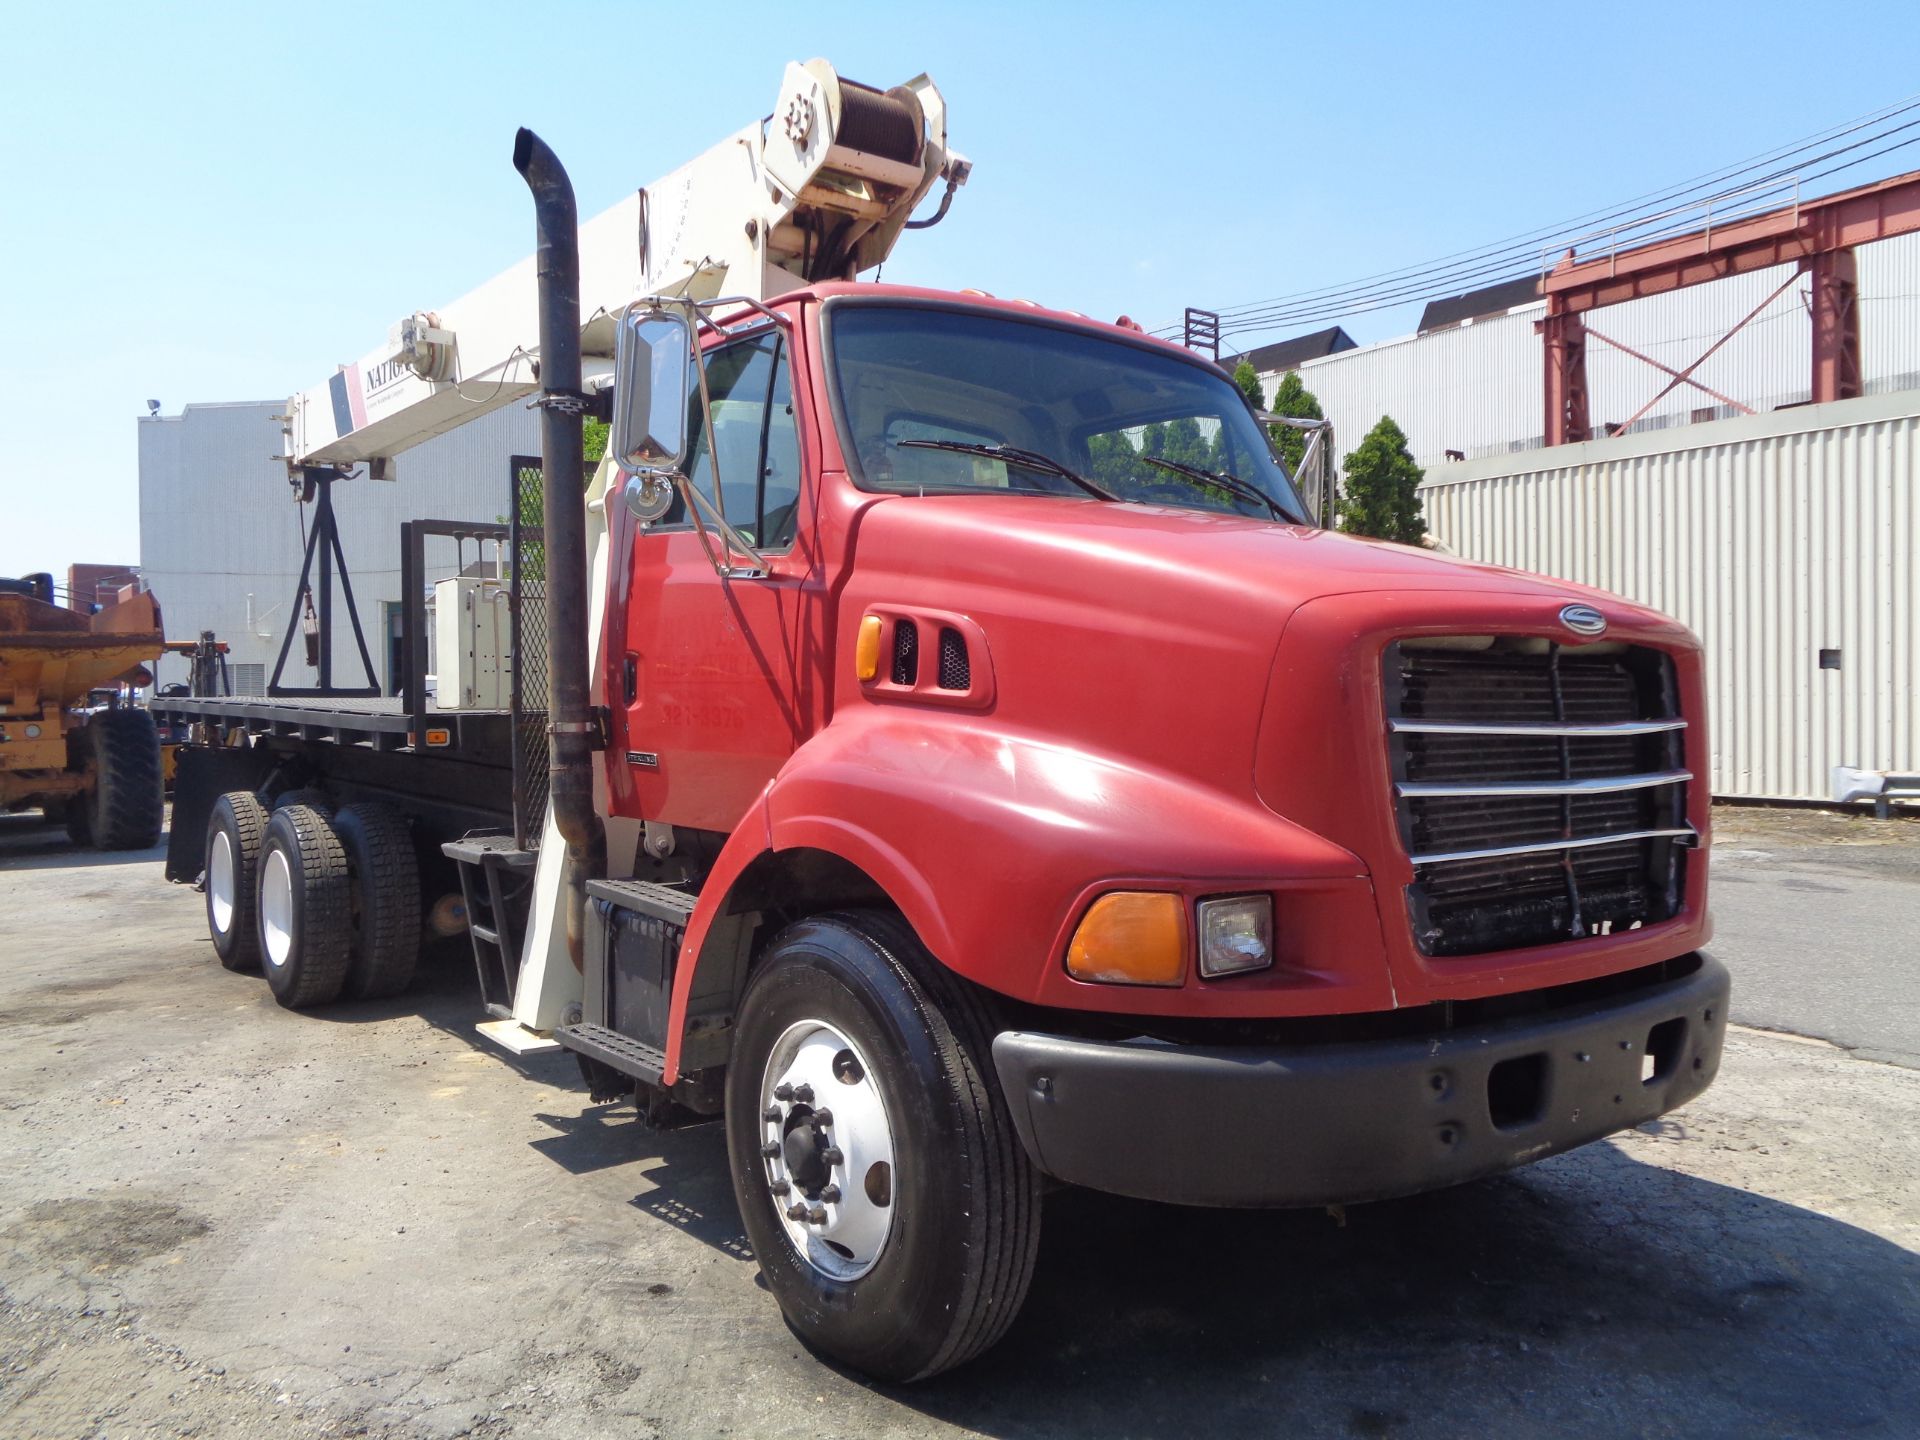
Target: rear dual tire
pixel 301 888
pixel 385 875
pixel 305 905
pixel 235 830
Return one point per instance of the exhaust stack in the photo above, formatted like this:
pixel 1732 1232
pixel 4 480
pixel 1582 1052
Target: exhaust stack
pixel 571 729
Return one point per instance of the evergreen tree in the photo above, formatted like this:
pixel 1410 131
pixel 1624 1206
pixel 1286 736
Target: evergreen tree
pixel 1381 497
pixel 1247 381
pixel 1293 399
pixel 1185 444
pixel 1153 439
pixel 1115 461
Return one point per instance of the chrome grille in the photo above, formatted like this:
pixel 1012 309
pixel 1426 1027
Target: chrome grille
pixel 1540 789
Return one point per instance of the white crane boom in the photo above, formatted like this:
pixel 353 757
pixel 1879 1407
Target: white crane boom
pixel 819 191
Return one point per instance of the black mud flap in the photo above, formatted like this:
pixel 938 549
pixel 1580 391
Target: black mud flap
pixel 204 774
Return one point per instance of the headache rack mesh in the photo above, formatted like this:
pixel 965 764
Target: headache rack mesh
pixel 1540 789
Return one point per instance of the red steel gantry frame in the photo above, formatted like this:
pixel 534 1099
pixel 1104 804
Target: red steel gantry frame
pixel 1818 236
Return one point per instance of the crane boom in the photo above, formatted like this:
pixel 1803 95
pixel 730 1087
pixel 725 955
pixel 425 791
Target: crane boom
pixel 821 190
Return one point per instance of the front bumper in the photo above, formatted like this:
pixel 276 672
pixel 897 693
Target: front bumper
pixel 1333 1123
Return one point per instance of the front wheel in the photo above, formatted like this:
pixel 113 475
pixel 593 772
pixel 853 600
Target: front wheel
pixel 894 1213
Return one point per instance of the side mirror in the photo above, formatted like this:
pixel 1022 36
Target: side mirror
pixel 653 357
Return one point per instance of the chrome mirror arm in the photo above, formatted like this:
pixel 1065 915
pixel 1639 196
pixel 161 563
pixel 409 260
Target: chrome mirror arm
pixel 730 537
pixel 1318 491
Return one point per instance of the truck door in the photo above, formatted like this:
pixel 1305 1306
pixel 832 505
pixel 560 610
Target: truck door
pixel 702 670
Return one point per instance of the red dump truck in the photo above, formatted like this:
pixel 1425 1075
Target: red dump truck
pixel 956 795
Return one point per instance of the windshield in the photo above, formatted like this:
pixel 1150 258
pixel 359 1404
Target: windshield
pixel 1100 408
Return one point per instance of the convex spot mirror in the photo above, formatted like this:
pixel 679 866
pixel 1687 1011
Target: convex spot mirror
pixel 653 359
pixel 649 496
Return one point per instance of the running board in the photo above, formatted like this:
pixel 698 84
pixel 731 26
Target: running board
pixel 619 1052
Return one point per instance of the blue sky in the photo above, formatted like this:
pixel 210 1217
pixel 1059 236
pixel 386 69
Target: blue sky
pixel 221 203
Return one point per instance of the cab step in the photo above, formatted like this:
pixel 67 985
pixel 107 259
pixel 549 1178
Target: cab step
pixel 670 904
pixel 618 1052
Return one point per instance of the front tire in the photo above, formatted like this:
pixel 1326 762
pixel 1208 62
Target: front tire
pixel 305 908
pixel 919 1211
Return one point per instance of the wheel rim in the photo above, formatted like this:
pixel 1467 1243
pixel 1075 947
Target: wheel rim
pixel 220 888
pixel 832 1180
pixel 276 907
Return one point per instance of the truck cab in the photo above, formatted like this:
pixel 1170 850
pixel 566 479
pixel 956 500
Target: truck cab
pixel 1049 797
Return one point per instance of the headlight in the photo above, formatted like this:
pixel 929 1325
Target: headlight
pixel 1236 935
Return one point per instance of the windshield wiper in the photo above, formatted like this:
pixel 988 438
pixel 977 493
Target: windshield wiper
pixel 1013 455
pixel 1233 484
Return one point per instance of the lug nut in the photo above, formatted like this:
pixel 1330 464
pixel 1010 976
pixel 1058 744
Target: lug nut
pixel 797 1210
pixel 823 1116
pixel 802 1093
pixel 830 1194
pixel 831 1155
pixel 780 1187
pixel 770 1150
pixel 772 1114
pixel 817 1215
pixel 783 1093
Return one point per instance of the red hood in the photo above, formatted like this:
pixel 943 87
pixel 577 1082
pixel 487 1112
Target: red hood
pixel 1142 554
pixel 1147 633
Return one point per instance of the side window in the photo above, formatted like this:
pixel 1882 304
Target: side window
pixel 780 475
pixel 755 439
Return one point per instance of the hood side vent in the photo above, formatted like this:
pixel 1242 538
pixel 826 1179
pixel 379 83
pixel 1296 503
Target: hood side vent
pixel 906 652
pixel 955 671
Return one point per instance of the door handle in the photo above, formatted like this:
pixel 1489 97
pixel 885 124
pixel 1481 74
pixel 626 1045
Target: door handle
pixel 630 677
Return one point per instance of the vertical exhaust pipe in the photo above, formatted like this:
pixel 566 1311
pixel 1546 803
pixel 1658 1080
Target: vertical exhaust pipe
pixel 571 726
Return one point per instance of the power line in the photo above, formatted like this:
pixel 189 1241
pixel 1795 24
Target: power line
pixel 1639 221
pixel 1496 267
pixel 1682 220
pixel 1468 264
pixel 1651 197
pixel 1444 281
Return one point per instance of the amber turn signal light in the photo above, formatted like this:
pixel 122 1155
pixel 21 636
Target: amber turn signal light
pixel 866 650
pixel 1131 937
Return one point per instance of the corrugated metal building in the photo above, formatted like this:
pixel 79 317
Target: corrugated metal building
pixel 1474 384
pixel 221 539
pixel 1788 541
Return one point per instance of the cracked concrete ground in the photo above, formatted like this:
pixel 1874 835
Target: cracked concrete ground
pixel 218 1218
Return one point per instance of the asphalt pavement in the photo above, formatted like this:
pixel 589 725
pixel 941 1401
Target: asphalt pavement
pixel 1818 916
pixel 219 1218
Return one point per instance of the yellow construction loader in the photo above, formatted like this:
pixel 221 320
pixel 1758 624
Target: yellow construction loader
pixel 69 745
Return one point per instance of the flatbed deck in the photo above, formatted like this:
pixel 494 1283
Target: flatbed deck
pixel 451 772
pixel 380 722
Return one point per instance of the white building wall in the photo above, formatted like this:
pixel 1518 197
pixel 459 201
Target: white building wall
pixel 1474 388
pixel 1477 388
pixel 1774 537
pixel 220 537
